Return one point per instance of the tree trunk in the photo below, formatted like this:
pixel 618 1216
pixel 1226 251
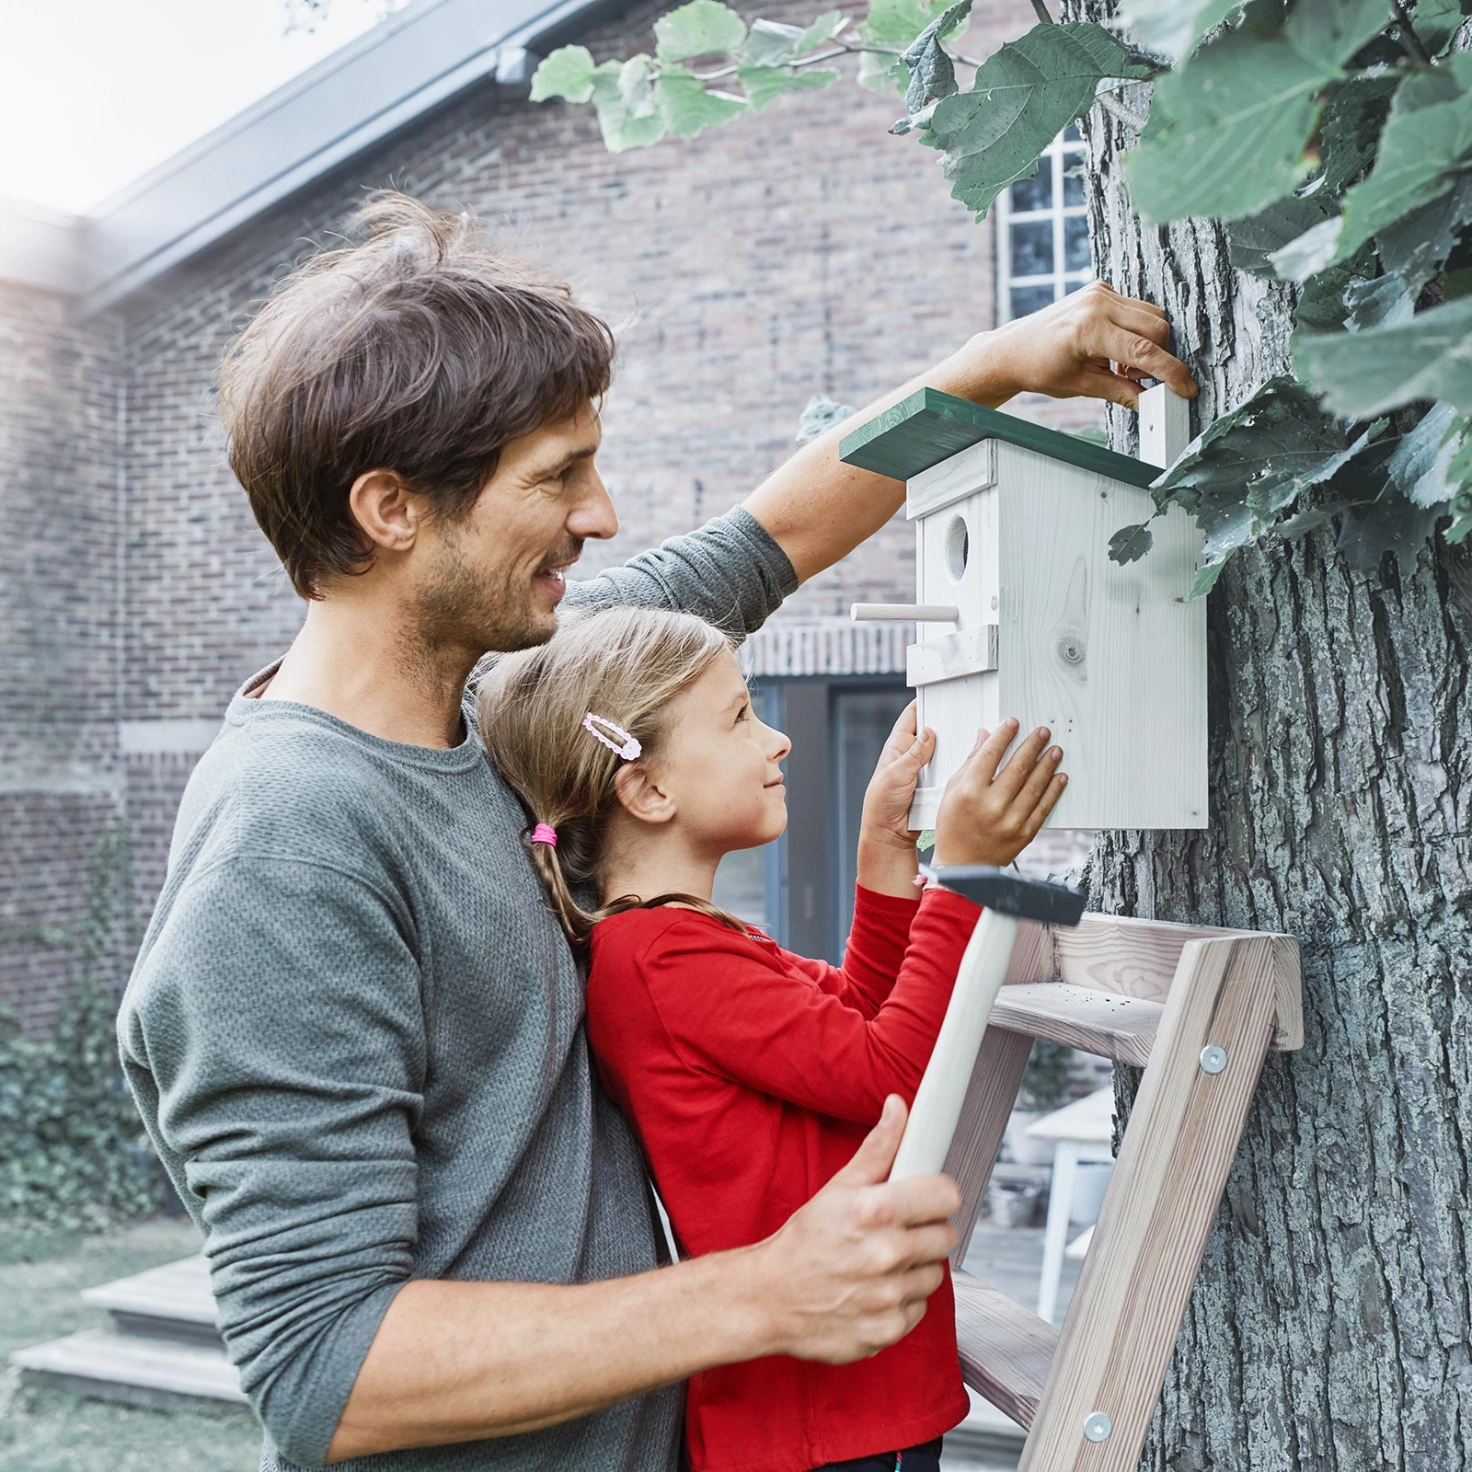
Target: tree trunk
pixel 1329 1330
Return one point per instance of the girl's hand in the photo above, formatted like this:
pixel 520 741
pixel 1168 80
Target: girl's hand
pixel 988 816
pixel 887 859
pixel 891 790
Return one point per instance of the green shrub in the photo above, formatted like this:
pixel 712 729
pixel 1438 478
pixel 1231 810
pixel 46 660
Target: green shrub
pixel 72 1149
pixel 1045 1080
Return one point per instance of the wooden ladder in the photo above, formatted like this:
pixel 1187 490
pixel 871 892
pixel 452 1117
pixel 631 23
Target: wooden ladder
pixel 1198 1009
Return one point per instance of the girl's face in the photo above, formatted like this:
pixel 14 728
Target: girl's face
pixel 719 765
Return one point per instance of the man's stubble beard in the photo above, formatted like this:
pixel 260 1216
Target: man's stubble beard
pixel 462 609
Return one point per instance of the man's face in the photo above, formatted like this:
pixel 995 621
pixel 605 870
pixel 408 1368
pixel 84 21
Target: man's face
pixel 493 576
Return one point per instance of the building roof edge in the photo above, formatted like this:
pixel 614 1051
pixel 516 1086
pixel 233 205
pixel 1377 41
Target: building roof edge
pixel 375 85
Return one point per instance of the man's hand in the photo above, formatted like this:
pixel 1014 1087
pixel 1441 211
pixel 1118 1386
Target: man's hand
pixel 1094 343
pixel 850 1272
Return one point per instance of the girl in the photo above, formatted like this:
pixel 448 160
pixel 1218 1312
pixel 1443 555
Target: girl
pixel 749 1074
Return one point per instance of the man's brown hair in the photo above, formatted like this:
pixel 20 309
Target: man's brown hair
pixel 422 351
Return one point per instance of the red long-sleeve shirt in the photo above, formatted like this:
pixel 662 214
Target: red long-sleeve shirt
pixel 750 1076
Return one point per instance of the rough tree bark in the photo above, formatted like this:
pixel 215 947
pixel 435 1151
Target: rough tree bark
pixel 1329 1330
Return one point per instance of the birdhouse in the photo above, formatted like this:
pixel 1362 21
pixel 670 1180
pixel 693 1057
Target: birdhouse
pixel 1020 612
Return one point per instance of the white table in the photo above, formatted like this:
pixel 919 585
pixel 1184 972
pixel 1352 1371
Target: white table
pixel 1082 1132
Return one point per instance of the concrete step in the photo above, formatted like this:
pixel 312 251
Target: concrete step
pixel 171 1302
pixel 142 1370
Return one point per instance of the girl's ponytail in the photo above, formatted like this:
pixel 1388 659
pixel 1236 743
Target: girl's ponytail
pixel 623 667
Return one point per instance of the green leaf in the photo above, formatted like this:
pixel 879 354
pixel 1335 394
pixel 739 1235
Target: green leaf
pixel 1368 532
pixel 1335 29
pixel 1171 28
pixel 932 73
pixel 1252 240
pixel 770 43
pixel 1349 130
pixel 1456 283
pixel 821 32
pixel 1227 131
pixel 687 107
pixel 1437 21
pixel 635 88
pixel 1426 140
pixel 1207 575
pixel 897 22
pixel 701 28
pixel 1415 246
pixel 1376 303
pixel 1418 465
pixel 1023 96
pixel 818 416
pixel 763 83
pixel 1310 253
pixel 1130 543
pixel 567 72
pixel 1323 300
pixel 1365 373
pixel 880 73
pixel 621 129
pixel 1459 479
pixel 1248 466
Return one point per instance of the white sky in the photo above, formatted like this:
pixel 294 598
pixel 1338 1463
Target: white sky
pixel 94 93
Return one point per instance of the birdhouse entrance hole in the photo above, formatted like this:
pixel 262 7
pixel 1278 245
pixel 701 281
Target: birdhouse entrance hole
pixel 958 547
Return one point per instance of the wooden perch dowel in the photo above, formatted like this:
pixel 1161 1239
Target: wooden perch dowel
pixel 920 613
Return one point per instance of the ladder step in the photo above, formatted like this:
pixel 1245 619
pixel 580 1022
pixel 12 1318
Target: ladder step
pixel 1006 1350
pixel 170 1302
pixel 122 1367
pixel 1105 1023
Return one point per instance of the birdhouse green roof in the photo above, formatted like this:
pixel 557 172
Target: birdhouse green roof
pixel 930 426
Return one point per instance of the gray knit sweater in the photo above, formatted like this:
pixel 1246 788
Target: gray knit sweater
pixel 354 1032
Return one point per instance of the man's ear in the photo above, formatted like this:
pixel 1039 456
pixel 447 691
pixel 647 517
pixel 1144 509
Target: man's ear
pixel 387 512
pixel 640 794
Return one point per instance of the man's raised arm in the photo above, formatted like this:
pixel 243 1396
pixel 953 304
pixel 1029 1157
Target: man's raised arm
pixel 818 509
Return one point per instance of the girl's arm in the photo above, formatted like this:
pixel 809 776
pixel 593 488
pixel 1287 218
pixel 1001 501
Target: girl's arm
pixel 874 954
pixel 734 1006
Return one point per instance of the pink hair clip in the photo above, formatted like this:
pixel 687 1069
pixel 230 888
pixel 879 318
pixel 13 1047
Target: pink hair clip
pixel 544 833
pixel 625 745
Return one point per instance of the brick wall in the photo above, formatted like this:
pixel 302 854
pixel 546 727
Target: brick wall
pixel 802 250
pixel 60 780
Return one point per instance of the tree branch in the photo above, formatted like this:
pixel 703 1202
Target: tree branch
pixel 1408 37
pixel 1041 11
pixel 1120 112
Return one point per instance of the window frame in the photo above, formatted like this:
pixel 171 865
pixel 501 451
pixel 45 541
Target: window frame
pixel 1062 152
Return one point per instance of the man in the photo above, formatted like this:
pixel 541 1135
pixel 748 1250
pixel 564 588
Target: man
pixel 354 1029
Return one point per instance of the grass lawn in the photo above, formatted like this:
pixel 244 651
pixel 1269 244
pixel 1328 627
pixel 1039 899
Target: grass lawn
pixel 43 1430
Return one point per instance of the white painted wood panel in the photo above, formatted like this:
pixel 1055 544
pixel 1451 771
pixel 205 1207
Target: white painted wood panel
pixel 1111 658
pixel 970 652
pixel 956 561
pixel 962 475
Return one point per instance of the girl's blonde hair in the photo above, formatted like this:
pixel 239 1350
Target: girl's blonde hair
pixel 625 665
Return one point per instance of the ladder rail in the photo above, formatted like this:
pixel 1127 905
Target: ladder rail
pixel 1117 1338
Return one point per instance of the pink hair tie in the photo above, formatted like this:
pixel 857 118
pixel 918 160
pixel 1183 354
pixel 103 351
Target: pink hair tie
pixel 543 833
pixel 625 745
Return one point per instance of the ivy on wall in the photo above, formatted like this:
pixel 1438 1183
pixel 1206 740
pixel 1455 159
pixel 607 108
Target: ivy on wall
pixel 72 1150
pixel 1332 138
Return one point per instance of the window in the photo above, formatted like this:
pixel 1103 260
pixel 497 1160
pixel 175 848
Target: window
pixel 1043 232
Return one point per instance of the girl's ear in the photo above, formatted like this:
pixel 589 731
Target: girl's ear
pixel 640 794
